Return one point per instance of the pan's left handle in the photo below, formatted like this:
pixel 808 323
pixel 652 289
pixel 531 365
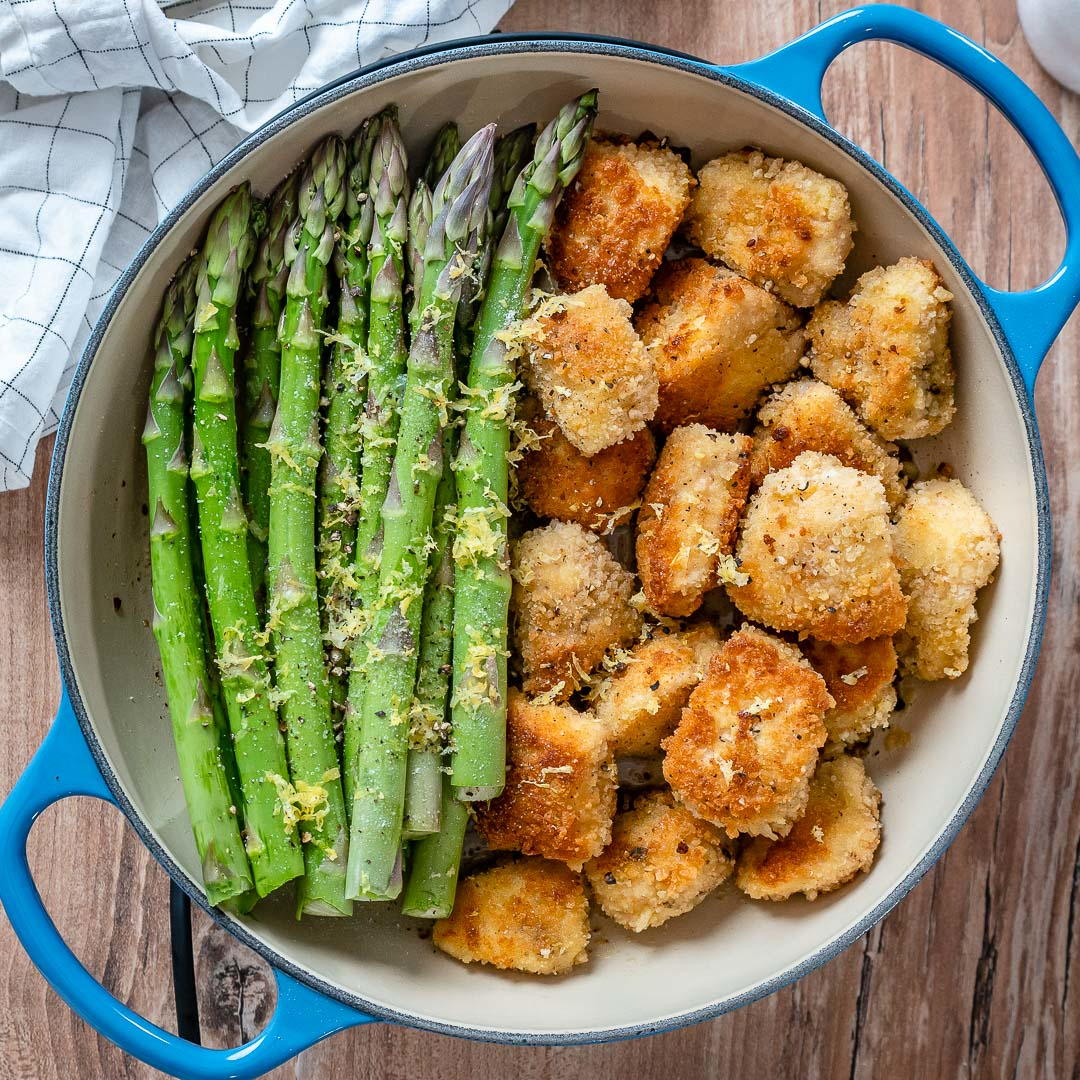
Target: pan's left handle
pixel 61 768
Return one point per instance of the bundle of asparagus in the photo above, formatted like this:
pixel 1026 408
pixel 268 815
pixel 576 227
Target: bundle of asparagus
pixel 334 508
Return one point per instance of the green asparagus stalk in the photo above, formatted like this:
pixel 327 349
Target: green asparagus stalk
pixel 258 744
pixel 339 479
pixel 190 685
pixel 444 148
pixel 482 572
pixel 314 785
pixel 459 207
pixel 419 223
pixel 388 190
pixel 435 861
pixel 262 366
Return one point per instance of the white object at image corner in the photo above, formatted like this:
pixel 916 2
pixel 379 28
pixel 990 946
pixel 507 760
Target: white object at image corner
pixel 1052 28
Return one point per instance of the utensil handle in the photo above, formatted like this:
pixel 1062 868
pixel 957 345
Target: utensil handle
pixel 1032 319
pixel 63 767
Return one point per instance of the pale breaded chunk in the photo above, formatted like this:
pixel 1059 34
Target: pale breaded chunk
pixel 640 704
pixel 528 915
pixel 818 548
pixel 570 604
pixel 618 216
pixel 661 862
pixel 599 492
pixel 590 370
pixel 777 222
pixel 887 349
pixel 947 549
pixel 689 514
pixel 835 839
pixel 810 415
pixel 860 680
pixel 749 738
pixel 559 797
pixel 717 342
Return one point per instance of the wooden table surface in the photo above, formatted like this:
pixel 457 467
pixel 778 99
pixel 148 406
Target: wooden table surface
pixel 969 976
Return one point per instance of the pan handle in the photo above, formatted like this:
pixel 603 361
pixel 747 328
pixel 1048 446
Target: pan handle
pixel 1031 320
pixel 63 767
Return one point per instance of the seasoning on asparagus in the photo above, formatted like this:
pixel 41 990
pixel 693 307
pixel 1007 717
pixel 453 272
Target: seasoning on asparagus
pixel 482 573
pixel 459 209
pixel 272 847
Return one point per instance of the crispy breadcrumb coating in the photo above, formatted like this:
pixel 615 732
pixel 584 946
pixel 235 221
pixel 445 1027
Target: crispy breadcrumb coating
pixel 589 368
pixel 528 915
pixel 947 549
pixel 640 704
pixel 887 349
pixel 810 415
pixel 661 862
pixel 818 547
pixel 860 680
pixel 749 738
pixel 570 604
pixel 835 839
pixel 782 225
pixel 616 220
pixel 717 342
pixel 689 514
pixel 559 797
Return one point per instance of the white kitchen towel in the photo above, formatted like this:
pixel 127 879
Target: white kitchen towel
pixel 109 111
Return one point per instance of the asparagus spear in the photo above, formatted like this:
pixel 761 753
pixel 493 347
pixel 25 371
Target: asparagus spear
pixel 191 688
pixel 314 785
pixel 459 207
pixel 262 366
pixel 419 223
pixel 482 573
pixel 435 860
pixel 339 484
pixel 444 148
pixel 259 747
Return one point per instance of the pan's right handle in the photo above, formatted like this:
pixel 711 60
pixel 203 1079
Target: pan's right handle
pixel 63 767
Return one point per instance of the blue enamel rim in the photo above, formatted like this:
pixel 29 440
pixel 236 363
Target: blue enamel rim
pixel 665 58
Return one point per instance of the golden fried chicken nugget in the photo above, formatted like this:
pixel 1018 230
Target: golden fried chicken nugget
pixel 589 368
pixel 779 223
pixel 640 704
pixel 749 738
pixel 810 415
pixel 835 839
pixel 886 350
pixel 947 549
pixel 688 517
pixel 559 797
pixel 818 548
pixel 528 915
pixel 661 862
pixel 860 680
pixel 717 342
pixel 570 604
pixel 615 222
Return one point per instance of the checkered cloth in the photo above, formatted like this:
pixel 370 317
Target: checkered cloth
pixel 109 111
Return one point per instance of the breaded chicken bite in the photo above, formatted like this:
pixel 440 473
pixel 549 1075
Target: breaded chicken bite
pixel 589 368
pixel 528 915
pixel 810 415
pixel 749 738
pixel 600 492
pixel 570 604
pixel 559 797
pixel 947 549
pixel 779 223
pixel 616 220
pixel 835 839
pixel 717 342
pixel 640 704
pixel 688 517
pixel 860 680
pixel 817 546
pixel 887 349
pixel 661 862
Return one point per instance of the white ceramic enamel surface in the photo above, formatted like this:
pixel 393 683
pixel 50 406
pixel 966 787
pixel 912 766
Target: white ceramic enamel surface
pixel 729 947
